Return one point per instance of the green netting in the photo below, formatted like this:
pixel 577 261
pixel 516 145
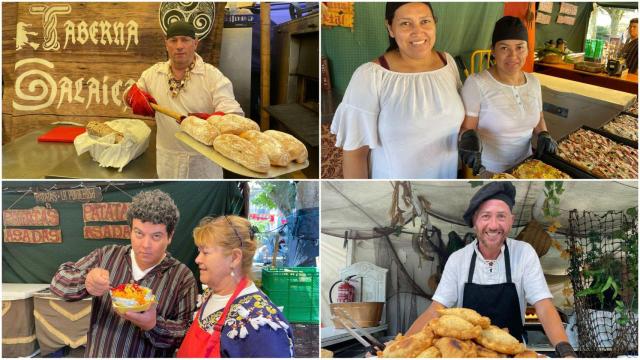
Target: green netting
pixel 604 274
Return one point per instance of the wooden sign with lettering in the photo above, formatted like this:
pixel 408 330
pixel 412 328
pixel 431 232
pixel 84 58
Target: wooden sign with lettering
pixel 338 14
pixel 81 195
pixel 37 216
pixel 39 236
pixel 74 61
pixel 111 211
pixel 107 232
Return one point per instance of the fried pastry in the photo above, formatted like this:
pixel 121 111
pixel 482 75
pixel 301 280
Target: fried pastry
pixel 499 340
pixel 468 314
pixel 430 353
pixel 454 348
pixel 409 346
pixel 483 352
pixel 454 326
pixel 528 353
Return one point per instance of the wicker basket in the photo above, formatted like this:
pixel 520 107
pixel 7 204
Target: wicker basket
pixel 537 236
pixel 365 314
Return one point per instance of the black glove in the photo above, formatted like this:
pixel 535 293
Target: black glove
pixel 470 150
pixel 545 144
pixel 564 349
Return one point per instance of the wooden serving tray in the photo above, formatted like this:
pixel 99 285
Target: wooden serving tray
pixel 216 157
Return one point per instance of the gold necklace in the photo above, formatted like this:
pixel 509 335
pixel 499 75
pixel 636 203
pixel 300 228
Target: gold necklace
pixel 175 85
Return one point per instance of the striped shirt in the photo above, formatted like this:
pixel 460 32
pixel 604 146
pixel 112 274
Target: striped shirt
pixel 111 336
pixel 630 53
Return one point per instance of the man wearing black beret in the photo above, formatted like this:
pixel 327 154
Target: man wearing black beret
pixel 186 85
pixel 495 275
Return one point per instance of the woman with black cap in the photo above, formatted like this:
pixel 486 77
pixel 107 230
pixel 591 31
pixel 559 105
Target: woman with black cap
pixel 401 113
pixel 503 106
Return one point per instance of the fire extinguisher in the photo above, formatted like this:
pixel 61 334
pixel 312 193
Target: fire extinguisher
pixel 346 291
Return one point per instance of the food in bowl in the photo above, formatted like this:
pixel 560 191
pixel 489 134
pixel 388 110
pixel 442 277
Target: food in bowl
pixel 131 297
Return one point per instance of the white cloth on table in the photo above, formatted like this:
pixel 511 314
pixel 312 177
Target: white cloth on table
pixel 207 91
pixel 507 115
pixel 410 121
pixel 526 274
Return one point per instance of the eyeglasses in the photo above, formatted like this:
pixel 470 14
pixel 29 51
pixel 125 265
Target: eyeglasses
pixel 234 229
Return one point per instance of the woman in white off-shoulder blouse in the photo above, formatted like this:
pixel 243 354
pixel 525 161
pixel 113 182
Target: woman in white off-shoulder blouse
pixel 401 113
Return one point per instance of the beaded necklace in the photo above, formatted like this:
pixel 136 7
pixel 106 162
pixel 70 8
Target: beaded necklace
pixel 175 85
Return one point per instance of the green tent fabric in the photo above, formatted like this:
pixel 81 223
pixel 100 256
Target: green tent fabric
pixel 622 5
pixel 37 263
pixel 461 29
pixel 572 35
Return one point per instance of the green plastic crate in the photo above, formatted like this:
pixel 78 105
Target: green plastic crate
pixel 297 289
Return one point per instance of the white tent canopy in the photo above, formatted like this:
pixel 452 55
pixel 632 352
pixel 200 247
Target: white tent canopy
pixel 357 207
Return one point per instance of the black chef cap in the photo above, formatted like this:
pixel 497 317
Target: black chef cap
pixel 181 28
pixel 500 190
pixel 509 28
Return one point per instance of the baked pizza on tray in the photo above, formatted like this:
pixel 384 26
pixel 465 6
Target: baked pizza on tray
pixel 633 108
pixel 536 169
pixel 623 125
pixel 599 155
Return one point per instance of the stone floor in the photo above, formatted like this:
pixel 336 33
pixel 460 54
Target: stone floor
pixel 306 340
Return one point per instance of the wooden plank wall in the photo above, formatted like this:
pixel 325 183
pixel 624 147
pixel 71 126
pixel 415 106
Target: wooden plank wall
pixel 72 61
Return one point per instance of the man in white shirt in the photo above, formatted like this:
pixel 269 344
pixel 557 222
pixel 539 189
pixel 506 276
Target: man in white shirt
pixel 186 85
pixel 496 276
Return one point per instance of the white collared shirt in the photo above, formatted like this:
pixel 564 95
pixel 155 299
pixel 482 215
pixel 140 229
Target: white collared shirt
pixel 526 274
pixel 507 116
pixel 136 272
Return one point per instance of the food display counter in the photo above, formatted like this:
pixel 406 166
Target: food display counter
pixel 60 323
pixel 627 82
pixel 18 322
pixel 597 136
pixel 26 158
pixel 569 105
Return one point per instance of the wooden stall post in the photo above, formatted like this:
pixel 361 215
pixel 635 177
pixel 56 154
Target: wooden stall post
pixel 265 63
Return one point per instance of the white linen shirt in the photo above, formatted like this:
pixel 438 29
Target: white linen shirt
pixel 507 115
pixel 410 121
pixel 207 91
pixel 526 274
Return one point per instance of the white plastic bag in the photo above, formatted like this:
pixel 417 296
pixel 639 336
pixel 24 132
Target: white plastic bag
pixel 107 153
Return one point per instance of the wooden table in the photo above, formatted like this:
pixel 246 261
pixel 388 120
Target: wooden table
pixel 627 83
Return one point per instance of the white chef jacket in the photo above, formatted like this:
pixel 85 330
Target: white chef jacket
pixel 526 274
pixel 410 121
pixel 507 115
pixel 207 91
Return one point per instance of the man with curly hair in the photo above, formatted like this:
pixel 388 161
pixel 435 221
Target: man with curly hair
pixel 157 332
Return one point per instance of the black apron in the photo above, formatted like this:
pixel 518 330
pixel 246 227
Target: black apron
pixel 499 302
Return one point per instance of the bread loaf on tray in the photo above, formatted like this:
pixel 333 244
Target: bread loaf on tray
pixel 232 124
pixel 199 129
pixel 99 129
pixel 242 151
pixel 276 152
pixel 296 149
